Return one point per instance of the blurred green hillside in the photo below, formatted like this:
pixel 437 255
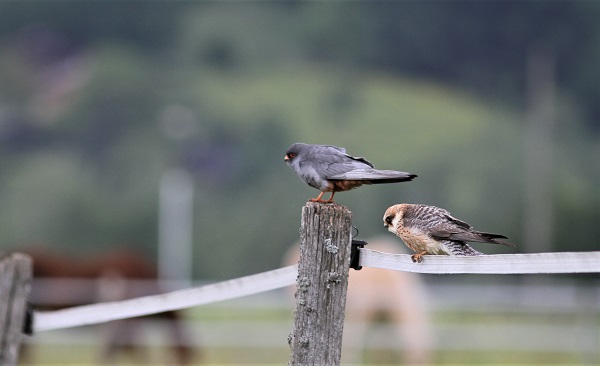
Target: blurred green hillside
pixel 91 120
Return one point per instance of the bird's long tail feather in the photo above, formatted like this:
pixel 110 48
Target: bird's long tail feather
pixel 375 176
pixel 493 238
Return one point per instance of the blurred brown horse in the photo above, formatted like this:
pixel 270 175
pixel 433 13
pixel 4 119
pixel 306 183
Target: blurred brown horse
pixel 117 275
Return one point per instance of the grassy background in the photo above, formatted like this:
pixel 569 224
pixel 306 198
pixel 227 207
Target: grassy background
pixel 260 334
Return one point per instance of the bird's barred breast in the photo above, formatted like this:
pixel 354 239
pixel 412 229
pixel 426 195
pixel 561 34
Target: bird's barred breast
pixel 418 241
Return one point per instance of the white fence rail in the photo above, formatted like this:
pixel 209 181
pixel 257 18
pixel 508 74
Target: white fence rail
pixel 104 312
pixel 565 262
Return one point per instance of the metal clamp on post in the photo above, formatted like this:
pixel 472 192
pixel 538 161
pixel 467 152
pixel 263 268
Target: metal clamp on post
pixel 28 321
pixel 355 254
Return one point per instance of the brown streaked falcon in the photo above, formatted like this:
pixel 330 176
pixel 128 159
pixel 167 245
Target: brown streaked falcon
pixel 330 169
pixel 432 230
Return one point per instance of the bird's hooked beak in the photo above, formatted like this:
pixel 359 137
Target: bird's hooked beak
pixel 289 156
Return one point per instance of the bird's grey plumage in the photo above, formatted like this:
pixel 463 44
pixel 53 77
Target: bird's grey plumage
pixel 330 169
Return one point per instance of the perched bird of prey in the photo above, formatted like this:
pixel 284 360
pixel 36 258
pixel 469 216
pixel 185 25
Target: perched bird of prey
pixel 330 169
pixel 432 230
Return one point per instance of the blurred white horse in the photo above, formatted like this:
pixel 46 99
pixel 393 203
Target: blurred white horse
pixel 376 294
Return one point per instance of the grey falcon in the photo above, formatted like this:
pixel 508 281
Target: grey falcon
pixel 330 169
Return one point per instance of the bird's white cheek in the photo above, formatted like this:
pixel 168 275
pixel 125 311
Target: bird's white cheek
pixel 395 224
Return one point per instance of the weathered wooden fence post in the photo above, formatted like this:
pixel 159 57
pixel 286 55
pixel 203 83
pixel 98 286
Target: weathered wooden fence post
pixel 325 245
pixel 15 284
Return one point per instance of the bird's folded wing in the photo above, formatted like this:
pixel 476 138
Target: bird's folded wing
pixel 372 175
pixel 447 232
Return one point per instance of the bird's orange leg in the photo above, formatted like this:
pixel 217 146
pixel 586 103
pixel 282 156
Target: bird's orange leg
pixel 318 199
pixel 330 200
pixel 418 258
pixel 321 200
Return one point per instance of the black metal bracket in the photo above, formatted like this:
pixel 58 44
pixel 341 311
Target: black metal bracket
pixel 28 321
pixel 355 254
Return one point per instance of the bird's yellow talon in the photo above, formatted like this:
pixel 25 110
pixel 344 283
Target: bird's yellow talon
pixel 417 258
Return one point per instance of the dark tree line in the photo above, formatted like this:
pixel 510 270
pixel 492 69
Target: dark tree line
pixel 481 45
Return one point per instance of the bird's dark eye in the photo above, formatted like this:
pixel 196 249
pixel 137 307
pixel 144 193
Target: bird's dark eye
pixel 291 155
pixel 389 219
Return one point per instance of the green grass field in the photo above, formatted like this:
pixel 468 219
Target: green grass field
pixel 87 355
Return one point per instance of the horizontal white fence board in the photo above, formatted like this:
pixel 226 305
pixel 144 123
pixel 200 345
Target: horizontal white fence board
pixel 559 262
pixel 104 312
